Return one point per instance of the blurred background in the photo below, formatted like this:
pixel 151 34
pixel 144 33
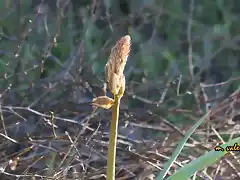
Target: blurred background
pixel 184 62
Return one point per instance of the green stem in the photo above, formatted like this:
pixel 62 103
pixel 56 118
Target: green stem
pixel 113 139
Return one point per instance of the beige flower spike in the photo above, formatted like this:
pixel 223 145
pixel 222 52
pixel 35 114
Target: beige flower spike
pixel 116 64
pixel 116 84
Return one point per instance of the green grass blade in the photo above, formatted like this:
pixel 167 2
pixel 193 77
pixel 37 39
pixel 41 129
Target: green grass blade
pixel 179 148
pixel 203 161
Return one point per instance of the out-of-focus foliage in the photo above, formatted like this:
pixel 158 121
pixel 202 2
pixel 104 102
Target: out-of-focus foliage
pixel 52 58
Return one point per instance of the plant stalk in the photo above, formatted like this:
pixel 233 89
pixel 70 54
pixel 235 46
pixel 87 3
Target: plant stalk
pixel 113 139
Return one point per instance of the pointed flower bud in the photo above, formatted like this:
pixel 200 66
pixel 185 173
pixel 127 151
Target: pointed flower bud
pixel 116 64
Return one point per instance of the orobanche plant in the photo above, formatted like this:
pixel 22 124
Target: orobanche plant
pixel 116 84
